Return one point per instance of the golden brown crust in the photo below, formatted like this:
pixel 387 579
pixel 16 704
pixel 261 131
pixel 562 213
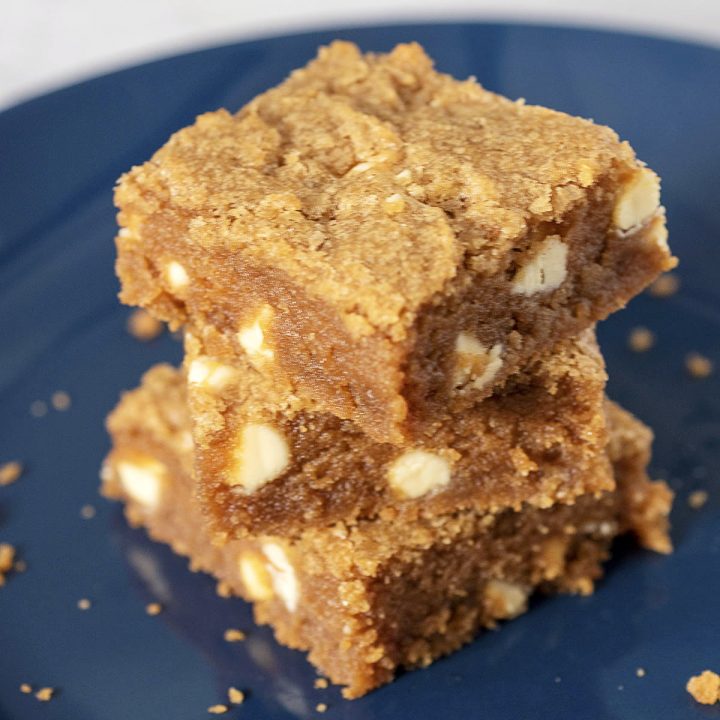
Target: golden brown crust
pixel 380 208
pixel 367 599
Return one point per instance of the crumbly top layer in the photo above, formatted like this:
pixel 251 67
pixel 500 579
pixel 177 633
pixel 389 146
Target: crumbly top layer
pixel 371 179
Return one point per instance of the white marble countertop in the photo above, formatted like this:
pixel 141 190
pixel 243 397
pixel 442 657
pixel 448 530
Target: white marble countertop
pixel 45 44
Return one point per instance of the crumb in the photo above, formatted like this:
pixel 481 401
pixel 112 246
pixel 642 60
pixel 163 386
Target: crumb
pixel 321 707
pixel 87 512
pixel 10 472
pixel 234 635
pixel 698 365
pixel 705 688
pixel 641 339
pixel 558 679
pixel 223 590
pixel 321 683
pixel 60 400
pixel 218 709
pixel 26 688
pixel 235 696
pixel 697 499
pixel 665 286
pixel 7 557
pixel 143 326
pixel 621 687
pixel 153 608
pixel 640 672
pixel 84 604
pixel 20 566
pixel 45 694
pixel 38 408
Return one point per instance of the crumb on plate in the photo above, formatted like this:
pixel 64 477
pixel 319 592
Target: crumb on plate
pixel 697 499
pixel 641 339
pixel 45 694
pixel 321 707
pixel 87 512
pixel 10 472
pixel 7 558
pixel 84 604
pixel 235 696
pixel 60 400
pixel 38 408
pixel 665 286
pixel 705 687
pixel 26 688
pixel 698 365
pixel 640 672
pixel 143 326
pixel 234 635
pixel 321 683
pixel 153 608
pixel 218 709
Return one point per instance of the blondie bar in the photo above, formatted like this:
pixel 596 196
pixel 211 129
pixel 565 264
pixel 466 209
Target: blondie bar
pixel 368 599
pixel 266 462
pixel 390 241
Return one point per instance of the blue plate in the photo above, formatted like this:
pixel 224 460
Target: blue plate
pixel 61 328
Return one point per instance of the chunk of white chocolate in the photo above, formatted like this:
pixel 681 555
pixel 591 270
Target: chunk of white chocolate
pixel 255 576
pixel 284 580
pixel 262 454
pixel 505 600
pixel 638 200
pixel 209 373
pixel 252 337
pixel 176 275
pixel 417 472
pixel 142 477
pixel 475 364
pixel 545 269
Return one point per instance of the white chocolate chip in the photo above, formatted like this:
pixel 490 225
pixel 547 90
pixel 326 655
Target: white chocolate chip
pixel 206 372
pixel 393 204
pixel 360 168
pixel 262 454
pixel 638 200
pixel 176 274
pixel 283 575
pixel 505 600
pixel 417 472
pixel 142 478
pixel 252 337
pixel 545 270
pixel 255 577
pixel 475 365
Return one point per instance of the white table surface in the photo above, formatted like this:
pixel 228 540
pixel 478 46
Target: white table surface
pixel 45 44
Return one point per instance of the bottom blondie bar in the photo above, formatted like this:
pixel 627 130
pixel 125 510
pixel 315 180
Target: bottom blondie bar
pixel 367 599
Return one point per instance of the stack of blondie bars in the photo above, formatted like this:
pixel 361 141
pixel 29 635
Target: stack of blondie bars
pixel 390 427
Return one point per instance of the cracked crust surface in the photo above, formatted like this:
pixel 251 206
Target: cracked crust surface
pixel 380 208
pixel 368 599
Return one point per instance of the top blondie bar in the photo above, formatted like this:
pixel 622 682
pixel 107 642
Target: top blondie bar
pixel 390 241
